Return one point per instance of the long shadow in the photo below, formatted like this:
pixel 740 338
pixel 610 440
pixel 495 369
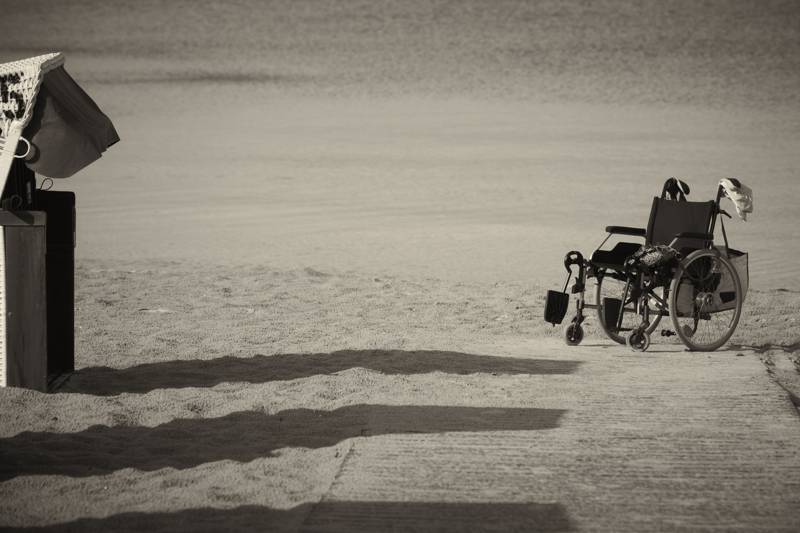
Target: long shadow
pixel 106 381
pixel 243 436
pixel 339 516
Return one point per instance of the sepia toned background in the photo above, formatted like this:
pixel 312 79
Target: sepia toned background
pixel 310 278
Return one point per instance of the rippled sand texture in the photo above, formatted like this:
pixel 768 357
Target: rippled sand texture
pixel 717 53
pixel 211 398
pixel 478 141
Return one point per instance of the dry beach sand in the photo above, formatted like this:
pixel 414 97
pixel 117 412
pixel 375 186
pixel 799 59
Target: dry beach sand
pixel 274 378
pixel 312 272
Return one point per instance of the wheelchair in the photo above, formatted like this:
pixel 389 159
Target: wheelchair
pixel 677 271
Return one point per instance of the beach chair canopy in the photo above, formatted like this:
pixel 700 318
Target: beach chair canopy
pixel 49 119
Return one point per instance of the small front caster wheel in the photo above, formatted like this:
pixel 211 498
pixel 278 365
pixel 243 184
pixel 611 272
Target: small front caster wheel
pixel 573 334
pixel 638 340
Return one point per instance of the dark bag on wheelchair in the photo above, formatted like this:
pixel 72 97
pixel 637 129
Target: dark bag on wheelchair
pixel 727 288
pixel 724 288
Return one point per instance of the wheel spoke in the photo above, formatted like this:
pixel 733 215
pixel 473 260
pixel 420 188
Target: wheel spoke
pixel 702 317
pixel 610 286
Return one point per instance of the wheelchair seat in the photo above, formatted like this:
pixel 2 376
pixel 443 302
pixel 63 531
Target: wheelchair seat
pixel 614 258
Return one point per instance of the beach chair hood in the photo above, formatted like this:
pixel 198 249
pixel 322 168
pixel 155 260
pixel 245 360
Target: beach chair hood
pixel 43 105
pixel 19 85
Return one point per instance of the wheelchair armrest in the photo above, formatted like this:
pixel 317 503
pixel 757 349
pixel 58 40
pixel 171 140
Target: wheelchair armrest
pixel 624 230
pixel 692 235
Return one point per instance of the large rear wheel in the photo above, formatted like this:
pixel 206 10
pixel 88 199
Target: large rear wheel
pixel 705 300
pixel 626 296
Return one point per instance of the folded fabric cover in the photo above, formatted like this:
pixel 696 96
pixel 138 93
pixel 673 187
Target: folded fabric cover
pixel 67 129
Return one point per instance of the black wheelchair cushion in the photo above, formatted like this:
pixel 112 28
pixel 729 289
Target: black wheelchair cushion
pixel 614 258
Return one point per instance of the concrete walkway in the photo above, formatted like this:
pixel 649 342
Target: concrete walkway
pixel 661 441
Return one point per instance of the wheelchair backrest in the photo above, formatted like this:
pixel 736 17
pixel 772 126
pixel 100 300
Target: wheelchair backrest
pixel 670 217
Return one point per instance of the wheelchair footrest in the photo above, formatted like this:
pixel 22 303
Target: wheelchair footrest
pixel 555 307
pixel 611 310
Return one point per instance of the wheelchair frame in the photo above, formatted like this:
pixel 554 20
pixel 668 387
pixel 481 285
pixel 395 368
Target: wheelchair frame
pixel 641 283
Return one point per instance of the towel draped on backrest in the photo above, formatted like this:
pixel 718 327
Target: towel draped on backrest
pixel 739 194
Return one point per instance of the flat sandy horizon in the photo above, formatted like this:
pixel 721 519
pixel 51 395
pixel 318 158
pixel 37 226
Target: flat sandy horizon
pixel 472 143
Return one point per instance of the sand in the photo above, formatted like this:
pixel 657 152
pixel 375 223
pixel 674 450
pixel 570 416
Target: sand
pixel 210 397
pixel 455 189
pixel 328 230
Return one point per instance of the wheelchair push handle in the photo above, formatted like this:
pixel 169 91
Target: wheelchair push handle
pixel 676 190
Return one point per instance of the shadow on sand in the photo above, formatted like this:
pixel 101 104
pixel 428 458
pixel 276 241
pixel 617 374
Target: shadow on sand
pixel 767 347
pixel 105 381
pixel 337 516
pixel 243 436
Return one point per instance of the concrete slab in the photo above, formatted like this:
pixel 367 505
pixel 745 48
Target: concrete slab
pixel 666 440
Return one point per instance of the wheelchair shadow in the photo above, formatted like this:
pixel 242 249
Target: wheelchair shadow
pixel 105 381
pixel 243 437
pixel 625 350
pixel 443 517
